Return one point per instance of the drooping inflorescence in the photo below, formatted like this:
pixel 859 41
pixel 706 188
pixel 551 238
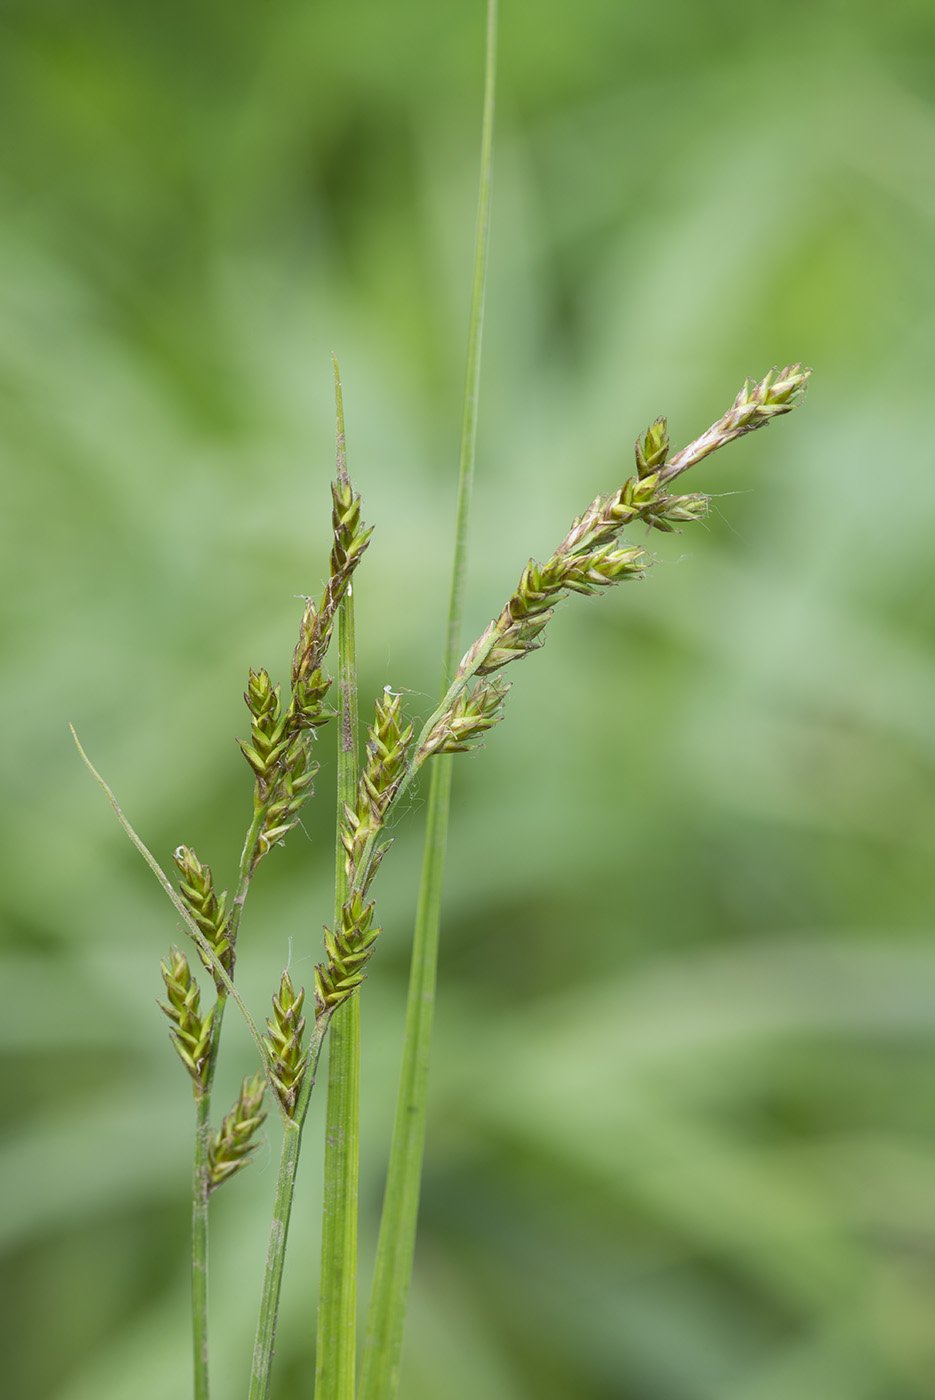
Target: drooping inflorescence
pixel 589 558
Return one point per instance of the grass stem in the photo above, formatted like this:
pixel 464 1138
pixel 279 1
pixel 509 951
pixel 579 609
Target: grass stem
pixel 275 1259
pixel 396 1247
pixel 261 1371
pixel 336 1348
pixel 200 1245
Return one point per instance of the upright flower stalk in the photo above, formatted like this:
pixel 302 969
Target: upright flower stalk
pixel 350 539
pixel 279 751
pixel 336 1345
pixel 589 559
pixel 396 1245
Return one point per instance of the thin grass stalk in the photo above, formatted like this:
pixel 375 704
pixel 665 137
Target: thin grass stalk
pixel 200 1246
pixel 396 1246
pixel 289 1158
pixel 204 946
pixel 261 1370
pixel 200 1166
pixel 336 1346
pixel 201 1187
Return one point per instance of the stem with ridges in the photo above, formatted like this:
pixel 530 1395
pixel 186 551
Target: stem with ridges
pixel 396 1247
pixel 335 1353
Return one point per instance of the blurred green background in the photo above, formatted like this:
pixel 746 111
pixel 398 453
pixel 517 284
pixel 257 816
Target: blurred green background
pixel 682 1140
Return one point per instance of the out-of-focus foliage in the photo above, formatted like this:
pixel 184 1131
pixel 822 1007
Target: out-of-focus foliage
pixel 682 1143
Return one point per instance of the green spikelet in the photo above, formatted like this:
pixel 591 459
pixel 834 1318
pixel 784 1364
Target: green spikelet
pixel 207 908
pixel 284 1042
pixel 190 1032
pixel 652 448
pixel 233 1144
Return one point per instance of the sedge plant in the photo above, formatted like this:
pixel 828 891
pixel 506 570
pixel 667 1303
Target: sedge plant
pixel 372 778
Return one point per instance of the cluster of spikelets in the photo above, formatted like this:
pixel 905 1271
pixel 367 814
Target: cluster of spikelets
pixel 279 748
pixel 349 946
pixel 589 559
pixel 189 1031
pixel 283 1043
pixel 207 908
pixel 232 1145
pixel 279 754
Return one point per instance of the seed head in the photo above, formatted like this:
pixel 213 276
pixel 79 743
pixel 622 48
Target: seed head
pixel 652 448
pixel 475 710
pixel 388 743
pixel 208 910
pixel 190 1032
pixel 309 682
pixel 757 404
pixel 269 734
pixel 284 1042
pixel 348 951
pixel 294 784
pixel 233 1144
pixel 588 558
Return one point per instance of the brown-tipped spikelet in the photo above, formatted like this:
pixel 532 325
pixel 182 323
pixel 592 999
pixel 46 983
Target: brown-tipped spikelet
pixel 588 558
pixel 757 404
pixel 388 743
pixel 284 1042
pixel 232 1145
pixel 292 788
pixel 190 1032
pixel 525 616
pixel 652 448
pixel 206 907
pixel 279 752
pixel 279 748
pixel 309 682
pixel 477 709
pixel 349 947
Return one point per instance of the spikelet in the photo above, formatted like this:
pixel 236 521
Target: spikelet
pixel 207 908
pixel 589 558
pixel 388 743
pixel 349 947
pixel 190 1032
pixel 280 743
pixel 233 1144
pixel 348 951
pixel 478 708
pixel 284 1042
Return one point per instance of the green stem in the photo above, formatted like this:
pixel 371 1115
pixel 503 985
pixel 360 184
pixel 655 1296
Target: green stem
pixel 279 1227
pixel 396 1247
pixel 200 1241
pixel 275 1259
pixel 200 1182
pixel 336 1347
